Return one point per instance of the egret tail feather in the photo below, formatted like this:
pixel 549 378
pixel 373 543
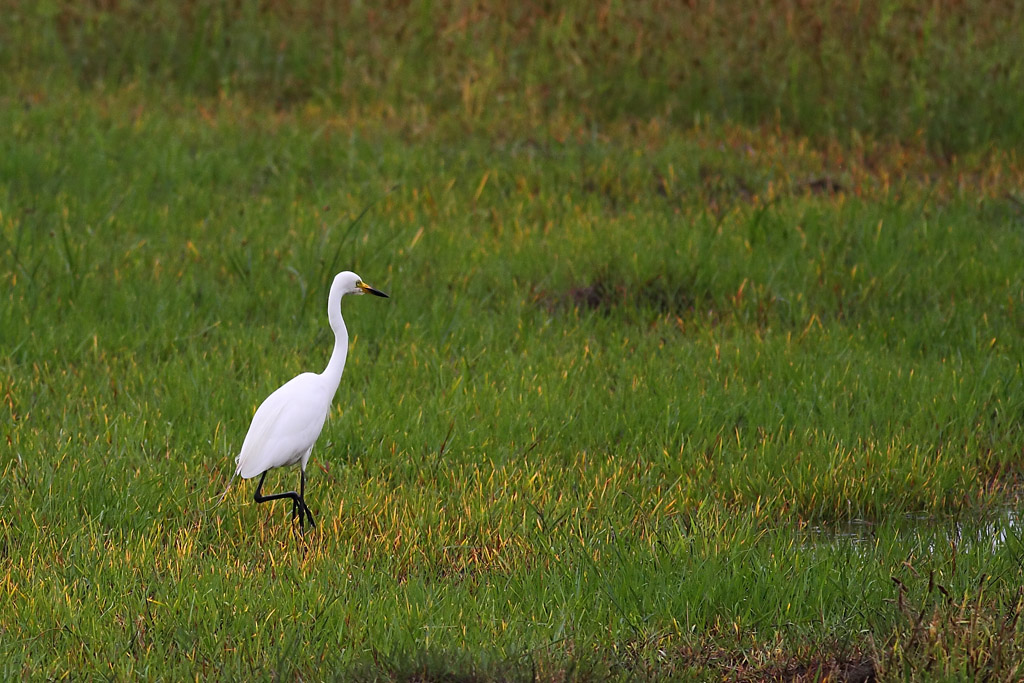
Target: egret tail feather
pixel 227 488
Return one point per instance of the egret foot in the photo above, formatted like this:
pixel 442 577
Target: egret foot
pixel 299 507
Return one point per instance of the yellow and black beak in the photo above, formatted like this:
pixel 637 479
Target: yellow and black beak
pixel 367 289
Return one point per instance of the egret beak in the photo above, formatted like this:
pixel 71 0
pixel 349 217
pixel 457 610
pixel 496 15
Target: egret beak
pixel 367 289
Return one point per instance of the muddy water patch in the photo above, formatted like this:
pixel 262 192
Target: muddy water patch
pixel 989 530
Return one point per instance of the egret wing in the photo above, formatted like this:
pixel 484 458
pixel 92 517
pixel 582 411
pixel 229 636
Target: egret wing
pixel 284 428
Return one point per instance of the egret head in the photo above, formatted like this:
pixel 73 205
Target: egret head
pixel 348 282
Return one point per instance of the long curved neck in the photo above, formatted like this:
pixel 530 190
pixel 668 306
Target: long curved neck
pixel 337 363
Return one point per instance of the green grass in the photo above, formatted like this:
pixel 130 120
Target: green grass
pixel 648 399
pixel 949 76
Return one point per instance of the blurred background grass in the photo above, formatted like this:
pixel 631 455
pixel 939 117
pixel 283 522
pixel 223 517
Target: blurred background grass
pixel 947 75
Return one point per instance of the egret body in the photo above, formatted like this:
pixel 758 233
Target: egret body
pixel 288 423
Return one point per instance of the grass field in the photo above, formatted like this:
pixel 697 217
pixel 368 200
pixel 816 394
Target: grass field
pixel 689 370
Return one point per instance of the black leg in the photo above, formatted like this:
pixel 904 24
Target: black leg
pixel 298 503
pixel 302 499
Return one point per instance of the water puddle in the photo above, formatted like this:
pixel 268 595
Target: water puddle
pixel 982 532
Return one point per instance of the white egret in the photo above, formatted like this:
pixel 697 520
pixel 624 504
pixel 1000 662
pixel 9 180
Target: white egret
pixel 288 423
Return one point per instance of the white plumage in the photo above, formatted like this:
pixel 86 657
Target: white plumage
pixel 288 423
